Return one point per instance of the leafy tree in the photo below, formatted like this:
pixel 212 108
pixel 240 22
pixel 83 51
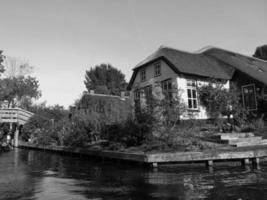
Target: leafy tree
pixel 42 122
pixel 17 90
pixel 105 79
pixel 261 52
pixel 2 57
pixel 220 102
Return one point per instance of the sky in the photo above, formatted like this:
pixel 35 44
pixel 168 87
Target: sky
pixel 64 38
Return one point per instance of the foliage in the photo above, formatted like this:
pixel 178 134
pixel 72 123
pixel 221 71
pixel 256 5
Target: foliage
pixel 220 102
pixel 76 133
pixel 105 79
pixel 16 90
pixel 17 67
pixel 153 123
pixel 261 52
pixel 51 126
pixel 42 121
pixel 103 109
pixel 132 132
pixel 2 57
pixel 184 137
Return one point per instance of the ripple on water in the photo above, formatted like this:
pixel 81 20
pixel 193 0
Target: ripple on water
pixel 27 175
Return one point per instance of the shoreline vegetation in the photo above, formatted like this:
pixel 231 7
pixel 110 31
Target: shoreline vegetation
pixel 156 128
pixel 150 125
pixel 134 135
pixel 104 120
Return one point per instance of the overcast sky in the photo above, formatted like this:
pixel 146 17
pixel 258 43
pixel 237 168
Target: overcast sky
pixel 63 38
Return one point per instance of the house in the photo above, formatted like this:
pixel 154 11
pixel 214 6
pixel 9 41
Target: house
pixel 102 107
pixel 183 72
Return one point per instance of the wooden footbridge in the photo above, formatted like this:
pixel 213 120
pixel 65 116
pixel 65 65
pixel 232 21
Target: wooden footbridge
pixel 16 116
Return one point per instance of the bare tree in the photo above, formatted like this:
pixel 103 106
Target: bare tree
pixel 16 67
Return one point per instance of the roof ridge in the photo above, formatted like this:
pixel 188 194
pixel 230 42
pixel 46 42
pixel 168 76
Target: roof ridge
pixel 175 49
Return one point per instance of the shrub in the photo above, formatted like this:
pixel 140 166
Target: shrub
pixel 77 133
pixel 220 102
pixel 131 132
pixel 43 120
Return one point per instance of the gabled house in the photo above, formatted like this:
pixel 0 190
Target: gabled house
pixel 184 72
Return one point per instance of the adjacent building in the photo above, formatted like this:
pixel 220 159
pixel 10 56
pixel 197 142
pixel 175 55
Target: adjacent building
pixel 102 108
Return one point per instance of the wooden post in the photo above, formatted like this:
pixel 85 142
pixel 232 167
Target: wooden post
pixel 209 163
pixel 10 127
pixel 211 170
pixel 256 162
pixel 154 165
pixel 16 138
pixel 245 161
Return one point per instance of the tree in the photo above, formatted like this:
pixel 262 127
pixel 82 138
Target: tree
pixel 2 57
pixel 105 79
pixel 261 52
pixel 16 67
pixel 41 125
pixel 17 90
pixel 220 102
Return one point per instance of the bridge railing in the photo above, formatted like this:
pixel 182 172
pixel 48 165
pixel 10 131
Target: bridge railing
pixel 14 115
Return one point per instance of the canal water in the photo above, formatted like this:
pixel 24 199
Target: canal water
pixel 36 175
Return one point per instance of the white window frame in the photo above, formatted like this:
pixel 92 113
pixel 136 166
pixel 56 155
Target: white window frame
pixel 255 98
pixel 191 88
pixel 157 69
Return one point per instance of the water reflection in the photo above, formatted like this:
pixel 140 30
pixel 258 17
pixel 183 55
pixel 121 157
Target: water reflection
pixel 43 176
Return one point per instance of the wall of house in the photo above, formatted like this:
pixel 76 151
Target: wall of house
pixel 166 73
pixel 179 82
pixel 240 79
pixel 200 113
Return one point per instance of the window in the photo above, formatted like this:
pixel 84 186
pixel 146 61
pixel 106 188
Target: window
pixel 192 95
pixel 157 69
pixel 167 89
pixel 143 74
pixel 137 99
pixel 148 96
pixel 249 97
pixel 136 95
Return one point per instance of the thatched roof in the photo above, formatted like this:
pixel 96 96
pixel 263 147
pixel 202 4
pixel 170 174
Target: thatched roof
pixel 211 63
pixel 253 67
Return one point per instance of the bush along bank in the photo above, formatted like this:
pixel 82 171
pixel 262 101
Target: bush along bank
pixel 154 128
pixel 151 130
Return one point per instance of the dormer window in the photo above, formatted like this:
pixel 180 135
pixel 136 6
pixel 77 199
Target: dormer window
pixel 143 74
pixel 157 69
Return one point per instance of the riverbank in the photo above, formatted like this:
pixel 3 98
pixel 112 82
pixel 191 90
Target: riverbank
pixel 247 155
